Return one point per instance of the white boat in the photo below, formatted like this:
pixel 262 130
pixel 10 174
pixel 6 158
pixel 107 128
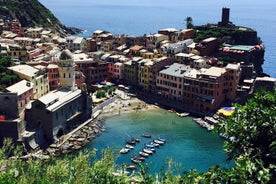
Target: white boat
pixel 124 150
pixel 158 142
pixel 148 151
pixel 143 154
pixel 184 114
pixel 128 146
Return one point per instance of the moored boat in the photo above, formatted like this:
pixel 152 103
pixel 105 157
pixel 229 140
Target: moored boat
pixel 143 154
pixel 148 151
pixel 135 160
pixel 158 142
pixel 131 166
pixel 128 146
pixel 124 150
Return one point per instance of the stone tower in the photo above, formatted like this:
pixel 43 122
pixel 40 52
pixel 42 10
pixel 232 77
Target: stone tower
pixel 66 70
pixel 225 17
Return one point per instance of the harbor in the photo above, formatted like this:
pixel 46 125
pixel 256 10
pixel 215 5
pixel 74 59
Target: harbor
pixel 186 142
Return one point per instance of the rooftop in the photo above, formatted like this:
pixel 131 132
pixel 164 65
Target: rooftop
pixel 25 70
pixel 55 99
pixel 213 71
pixel 20 87
pixel 176 70
pixel 233 66
pixel 242 47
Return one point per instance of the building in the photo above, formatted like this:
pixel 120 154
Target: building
pixel 153 41
pixel 17 52
pixel 34 32
pixel 74 43
pixel 38 78
pixel 208 46
pixel 169 82
pixel 61 110
pixel 178 47
pixel 204 90
pixel 148 70
pixel 131 71
pixel 11 125
pixel 66 68
pixel 207 89
pixel 24 91
pixel 53 75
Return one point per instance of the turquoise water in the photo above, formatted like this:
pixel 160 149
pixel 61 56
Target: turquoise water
pixel 138 17
pixel 186 142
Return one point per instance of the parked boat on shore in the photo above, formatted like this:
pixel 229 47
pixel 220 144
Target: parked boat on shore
pixel 184 114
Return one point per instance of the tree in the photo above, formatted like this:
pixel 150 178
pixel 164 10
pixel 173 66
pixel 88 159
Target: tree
pixel 189 22
pixel 253 127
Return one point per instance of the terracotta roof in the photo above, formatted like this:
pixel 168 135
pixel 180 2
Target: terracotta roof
pixel 136 48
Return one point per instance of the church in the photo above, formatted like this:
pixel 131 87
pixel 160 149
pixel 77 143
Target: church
pixel 61 110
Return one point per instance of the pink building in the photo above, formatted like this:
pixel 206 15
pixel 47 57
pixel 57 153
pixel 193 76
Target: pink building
pixel 24 90
pixel 53 75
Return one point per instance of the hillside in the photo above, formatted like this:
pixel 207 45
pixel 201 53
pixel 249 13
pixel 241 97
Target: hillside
pixel 32 13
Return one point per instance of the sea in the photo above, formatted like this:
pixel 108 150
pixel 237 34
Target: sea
pixel 187 143
pixel 139 17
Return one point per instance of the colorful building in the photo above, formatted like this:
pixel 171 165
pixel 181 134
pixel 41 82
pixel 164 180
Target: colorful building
pixel 24 91
pixel 39 78
pixel 53 75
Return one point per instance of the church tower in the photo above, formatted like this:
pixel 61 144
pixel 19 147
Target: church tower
pixel 66 70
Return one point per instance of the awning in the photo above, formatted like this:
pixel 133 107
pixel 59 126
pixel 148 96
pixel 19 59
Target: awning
pixel 227 111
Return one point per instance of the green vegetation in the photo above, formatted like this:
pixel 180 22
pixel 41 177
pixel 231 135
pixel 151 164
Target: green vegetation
pixel 253 126
pixel 232 35
pixel 103 92
pixel 6 79
pixel 31 13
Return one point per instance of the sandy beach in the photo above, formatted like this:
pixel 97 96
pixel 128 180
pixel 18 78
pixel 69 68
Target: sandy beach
pixel 126 105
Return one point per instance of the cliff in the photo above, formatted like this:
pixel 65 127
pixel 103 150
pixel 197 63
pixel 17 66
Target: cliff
pixel 32 13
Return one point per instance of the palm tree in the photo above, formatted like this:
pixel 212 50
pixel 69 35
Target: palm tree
pixel 189 22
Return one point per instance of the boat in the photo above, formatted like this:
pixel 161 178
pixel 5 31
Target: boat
pixel 184 114
pixel 158 142
pixel 130 166
pixel 146 135
pixel 148 151
pixel 137 140
pixel 124 150
pixel 128 146
pixel 131 142
pixel 151 149
pixel 135 160
pixel 162 139
pixel 139 157
pixel 154 144
pixel 143 154
pixel 150 146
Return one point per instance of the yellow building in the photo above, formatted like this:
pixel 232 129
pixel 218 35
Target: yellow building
pixel 38 78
